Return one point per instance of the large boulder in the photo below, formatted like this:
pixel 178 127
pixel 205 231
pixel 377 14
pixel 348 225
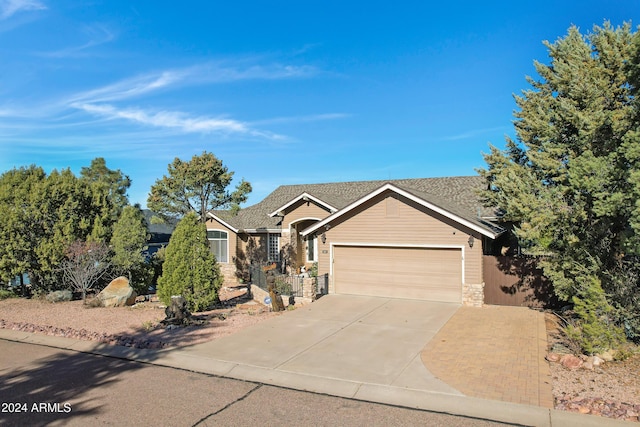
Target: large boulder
pixel 118 293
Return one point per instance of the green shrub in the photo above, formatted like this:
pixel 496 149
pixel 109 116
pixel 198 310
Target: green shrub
pixel 190 268
pixel 7 293
pixel 595 330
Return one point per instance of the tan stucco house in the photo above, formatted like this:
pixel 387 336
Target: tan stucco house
pixel 410 238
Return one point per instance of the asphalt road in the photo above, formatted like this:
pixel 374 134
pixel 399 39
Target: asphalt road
pixel 47 386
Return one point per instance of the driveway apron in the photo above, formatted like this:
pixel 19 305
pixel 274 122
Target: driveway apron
pixel 358 339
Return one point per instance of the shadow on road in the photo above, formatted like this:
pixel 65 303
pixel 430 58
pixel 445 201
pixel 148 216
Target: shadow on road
pixel 51 389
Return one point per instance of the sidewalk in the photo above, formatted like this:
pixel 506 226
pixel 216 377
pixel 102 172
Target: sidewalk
pixel 403 390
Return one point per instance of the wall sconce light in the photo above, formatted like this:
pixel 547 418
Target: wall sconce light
pixel 471 241
pixel 323 238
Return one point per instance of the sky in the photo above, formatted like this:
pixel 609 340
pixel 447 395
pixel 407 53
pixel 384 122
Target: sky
pixel 283 92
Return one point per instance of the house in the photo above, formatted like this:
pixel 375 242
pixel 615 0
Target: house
pixel 159 232
pixel 410 238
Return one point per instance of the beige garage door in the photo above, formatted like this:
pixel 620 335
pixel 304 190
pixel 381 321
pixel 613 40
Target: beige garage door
pixel 433 274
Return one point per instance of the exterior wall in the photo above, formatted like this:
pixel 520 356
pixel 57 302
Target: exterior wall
pixel 300 216
pixel 392 219
pixel 303 210
pixel 228 269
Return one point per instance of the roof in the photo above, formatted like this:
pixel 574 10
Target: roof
pixel 159 231
pixel 458 195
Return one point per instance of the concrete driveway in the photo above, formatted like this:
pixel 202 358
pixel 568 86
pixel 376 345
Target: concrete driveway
pixel 352 339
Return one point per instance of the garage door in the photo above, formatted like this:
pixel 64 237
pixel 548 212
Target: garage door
pixel 433 274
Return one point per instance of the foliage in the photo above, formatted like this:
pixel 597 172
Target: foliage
pixel 43 214
pixel 571 180
pixel 596 331
pixel 109 196
pixel 198 185
pixel 7 293
pixel 86 264
pixel 129 238
pixel 190 268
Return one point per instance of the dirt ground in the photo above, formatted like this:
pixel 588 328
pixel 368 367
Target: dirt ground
pixel 611 390
pixel 137 326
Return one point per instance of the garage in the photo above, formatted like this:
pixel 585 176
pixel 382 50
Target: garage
pixel 433 274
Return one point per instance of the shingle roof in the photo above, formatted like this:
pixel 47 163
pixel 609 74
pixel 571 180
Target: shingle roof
pixel 455 194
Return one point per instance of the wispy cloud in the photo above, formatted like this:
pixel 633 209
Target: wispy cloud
pixel 209 73
pixel 130 88
pixel 177 120
pixel 97 34
pixel 472 133
pixel 303 119
pixel 8 8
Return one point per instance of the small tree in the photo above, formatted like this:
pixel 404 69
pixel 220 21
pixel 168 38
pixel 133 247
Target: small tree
pixel 85 265
pixel 128 241
pixel 190 268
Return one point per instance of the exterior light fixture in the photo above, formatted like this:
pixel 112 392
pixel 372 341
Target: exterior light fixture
pixel 323 238
pixel 471 241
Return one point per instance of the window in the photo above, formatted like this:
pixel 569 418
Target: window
pixel 312 249
pixel 219 242
pixel 274 247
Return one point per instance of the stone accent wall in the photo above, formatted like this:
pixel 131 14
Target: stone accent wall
pixel 308 288
pixel 229 272
pixel 259 294
pixel 473 295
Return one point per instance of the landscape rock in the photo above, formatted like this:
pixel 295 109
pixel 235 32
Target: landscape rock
pixel 59 296
pixel 607 356
pixel 570 361
pixel 553 357
pixel 118 293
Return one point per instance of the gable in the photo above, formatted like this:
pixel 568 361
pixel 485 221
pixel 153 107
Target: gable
pixel 447 215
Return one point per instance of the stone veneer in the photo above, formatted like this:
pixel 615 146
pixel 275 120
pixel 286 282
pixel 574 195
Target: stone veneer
pixel 228 270
pixel 473 295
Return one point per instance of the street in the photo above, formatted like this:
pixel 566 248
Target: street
pixel 47 386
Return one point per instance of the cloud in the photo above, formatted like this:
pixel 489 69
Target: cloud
pixel 472 133
pixel 196 75
pixel 303 119
pixel 176 120
pixel 98 34
pixel 130 88
pixel 8 8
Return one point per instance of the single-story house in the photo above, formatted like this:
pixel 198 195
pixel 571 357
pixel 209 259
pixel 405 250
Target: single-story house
pixel 409 238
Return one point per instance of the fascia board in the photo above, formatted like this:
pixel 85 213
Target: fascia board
pixel 226 224
pixel 300 197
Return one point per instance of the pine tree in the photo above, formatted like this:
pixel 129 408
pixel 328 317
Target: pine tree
pixel 129 238
pixel 190 268
pixel 198 185
pixel 567 181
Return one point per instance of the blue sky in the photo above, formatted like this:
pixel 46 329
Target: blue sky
pixel 284 92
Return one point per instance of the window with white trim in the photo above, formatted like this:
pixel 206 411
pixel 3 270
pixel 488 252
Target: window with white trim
pixel 219 243
pixel 273 246
pixel 312 249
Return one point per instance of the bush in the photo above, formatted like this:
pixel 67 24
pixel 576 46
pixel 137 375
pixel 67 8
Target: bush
pixel 190 268
pixel 595 330
pixel 7 293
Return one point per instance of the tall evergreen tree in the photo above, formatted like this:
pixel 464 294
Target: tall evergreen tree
pixel 198 185
pixel 109 196
pixel 566 180
pixel 190 268
pixel 18 228
pixel 130 235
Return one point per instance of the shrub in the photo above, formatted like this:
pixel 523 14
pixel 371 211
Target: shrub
pixel 595 331
pixel 190 268
pixel 7 293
